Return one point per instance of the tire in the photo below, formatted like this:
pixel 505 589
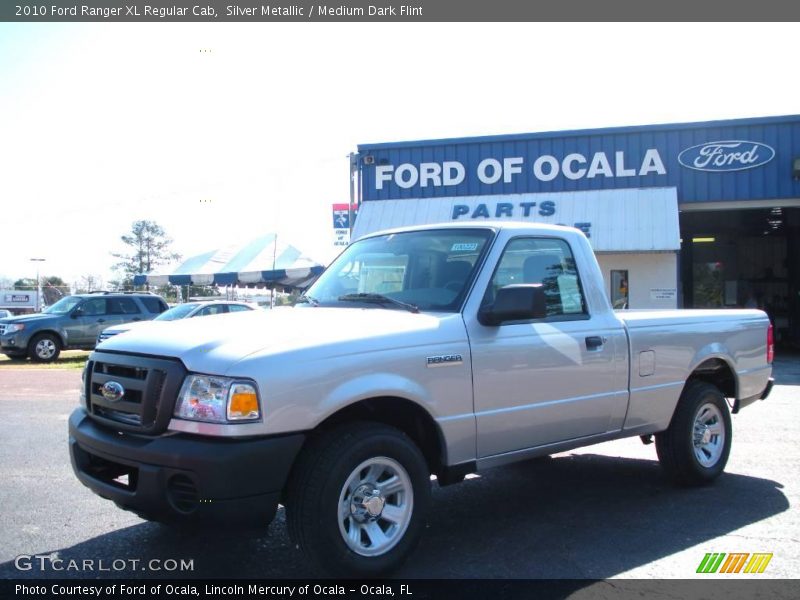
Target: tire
pixel 695 448
pixel 44 347
pixel 336 509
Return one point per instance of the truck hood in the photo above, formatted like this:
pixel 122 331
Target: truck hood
pixel 133 325
pixel 215 344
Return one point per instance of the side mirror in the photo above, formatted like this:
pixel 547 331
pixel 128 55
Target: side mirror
pixel 519 302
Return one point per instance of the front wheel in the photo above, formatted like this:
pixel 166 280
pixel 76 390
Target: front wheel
pixel 358 499
pixel 695 447
pixel 44 347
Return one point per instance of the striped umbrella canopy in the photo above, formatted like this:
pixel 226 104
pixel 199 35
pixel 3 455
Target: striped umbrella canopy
pixel 263 260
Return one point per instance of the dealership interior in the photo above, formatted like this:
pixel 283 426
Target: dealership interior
pixel 746 258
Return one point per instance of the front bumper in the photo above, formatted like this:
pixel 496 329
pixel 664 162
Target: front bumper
pixel 14 343
pixel 182 477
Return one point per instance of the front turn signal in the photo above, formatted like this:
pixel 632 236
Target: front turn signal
pixel 243 403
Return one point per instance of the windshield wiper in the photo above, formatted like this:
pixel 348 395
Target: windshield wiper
pixel 307 299
pixel 379 299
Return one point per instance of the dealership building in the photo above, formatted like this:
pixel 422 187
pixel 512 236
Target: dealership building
pixel 679 215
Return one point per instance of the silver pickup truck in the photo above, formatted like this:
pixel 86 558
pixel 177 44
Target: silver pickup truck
pixel 440 350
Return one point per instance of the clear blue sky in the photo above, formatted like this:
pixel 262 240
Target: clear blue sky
pixel 103 124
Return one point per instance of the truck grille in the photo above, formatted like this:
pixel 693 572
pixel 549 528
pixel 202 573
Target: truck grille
pixel 150 388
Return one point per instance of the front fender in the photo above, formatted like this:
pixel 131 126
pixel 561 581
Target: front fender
pixel 31 333
pixel 457 431
pixel 373 385
pixel 59 332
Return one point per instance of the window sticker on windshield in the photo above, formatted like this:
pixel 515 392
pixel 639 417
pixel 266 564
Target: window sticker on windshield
pixel 464 247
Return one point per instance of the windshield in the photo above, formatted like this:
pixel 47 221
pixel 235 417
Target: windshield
pixel 176 312
pixel 429 270
pixel 63 306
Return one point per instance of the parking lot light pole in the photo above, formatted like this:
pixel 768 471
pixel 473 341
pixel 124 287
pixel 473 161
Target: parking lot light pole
pixel 38 284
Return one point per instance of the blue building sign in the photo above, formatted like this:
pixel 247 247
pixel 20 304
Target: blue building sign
pixel 744 159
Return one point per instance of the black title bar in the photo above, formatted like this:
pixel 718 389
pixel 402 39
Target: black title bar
pixel 733 588
pixel 398 11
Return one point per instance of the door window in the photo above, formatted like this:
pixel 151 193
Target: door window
pixel 154 305
pixel 237 308
pixel 94 307
pixel 214 309
pixel 122 306
pixel 545 261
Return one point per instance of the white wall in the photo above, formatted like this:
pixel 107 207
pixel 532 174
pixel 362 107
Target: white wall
pixel 630 220
pixel 649 275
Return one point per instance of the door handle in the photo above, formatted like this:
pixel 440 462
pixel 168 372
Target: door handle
pixel 594 342
pixel 136 319
pixel 101 320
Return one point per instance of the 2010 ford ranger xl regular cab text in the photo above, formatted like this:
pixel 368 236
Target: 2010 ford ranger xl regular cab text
pixel 436 350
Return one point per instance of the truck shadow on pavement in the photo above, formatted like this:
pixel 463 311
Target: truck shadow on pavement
pixel 573 516
pixel 584 516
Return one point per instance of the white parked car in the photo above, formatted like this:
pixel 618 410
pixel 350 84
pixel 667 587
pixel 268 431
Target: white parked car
pixel 181 311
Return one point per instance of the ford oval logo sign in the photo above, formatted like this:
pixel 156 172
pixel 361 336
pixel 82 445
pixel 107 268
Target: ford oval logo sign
pixel 112 391
pixel 729 155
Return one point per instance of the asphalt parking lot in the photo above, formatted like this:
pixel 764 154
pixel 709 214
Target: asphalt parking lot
pixel 601 512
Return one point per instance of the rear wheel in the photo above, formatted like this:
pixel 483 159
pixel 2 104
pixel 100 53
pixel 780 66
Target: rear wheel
pixel 695 447
pixel 44 347
pixel 358 499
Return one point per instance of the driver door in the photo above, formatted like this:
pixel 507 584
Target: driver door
pixel 88 319
pixel 548 380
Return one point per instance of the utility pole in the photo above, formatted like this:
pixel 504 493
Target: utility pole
pixel 38 284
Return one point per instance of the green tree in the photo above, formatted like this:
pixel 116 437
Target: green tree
pixel 53 289
pixel 26 283
pixel 148 248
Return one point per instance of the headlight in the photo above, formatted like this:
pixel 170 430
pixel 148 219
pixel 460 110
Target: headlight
pixel 217 400
pixel 14 327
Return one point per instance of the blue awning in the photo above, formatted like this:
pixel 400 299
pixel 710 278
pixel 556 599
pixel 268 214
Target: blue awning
pixel 265 260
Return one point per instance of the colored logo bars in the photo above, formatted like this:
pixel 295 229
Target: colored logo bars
pixel 744 562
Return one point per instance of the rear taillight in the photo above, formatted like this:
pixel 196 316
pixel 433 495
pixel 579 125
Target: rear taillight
pixel 770 344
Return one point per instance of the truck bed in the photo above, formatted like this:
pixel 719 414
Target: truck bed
pixel 667 345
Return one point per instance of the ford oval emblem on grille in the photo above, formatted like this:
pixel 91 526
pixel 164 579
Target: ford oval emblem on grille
pixel 112 391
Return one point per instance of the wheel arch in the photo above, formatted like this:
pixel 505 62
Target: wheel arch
pixel 54 332
pixel 400 413
pixel 717 371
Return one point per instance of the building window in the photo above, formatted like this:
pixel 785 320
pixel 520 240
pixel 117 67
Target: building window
pixel 619 288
